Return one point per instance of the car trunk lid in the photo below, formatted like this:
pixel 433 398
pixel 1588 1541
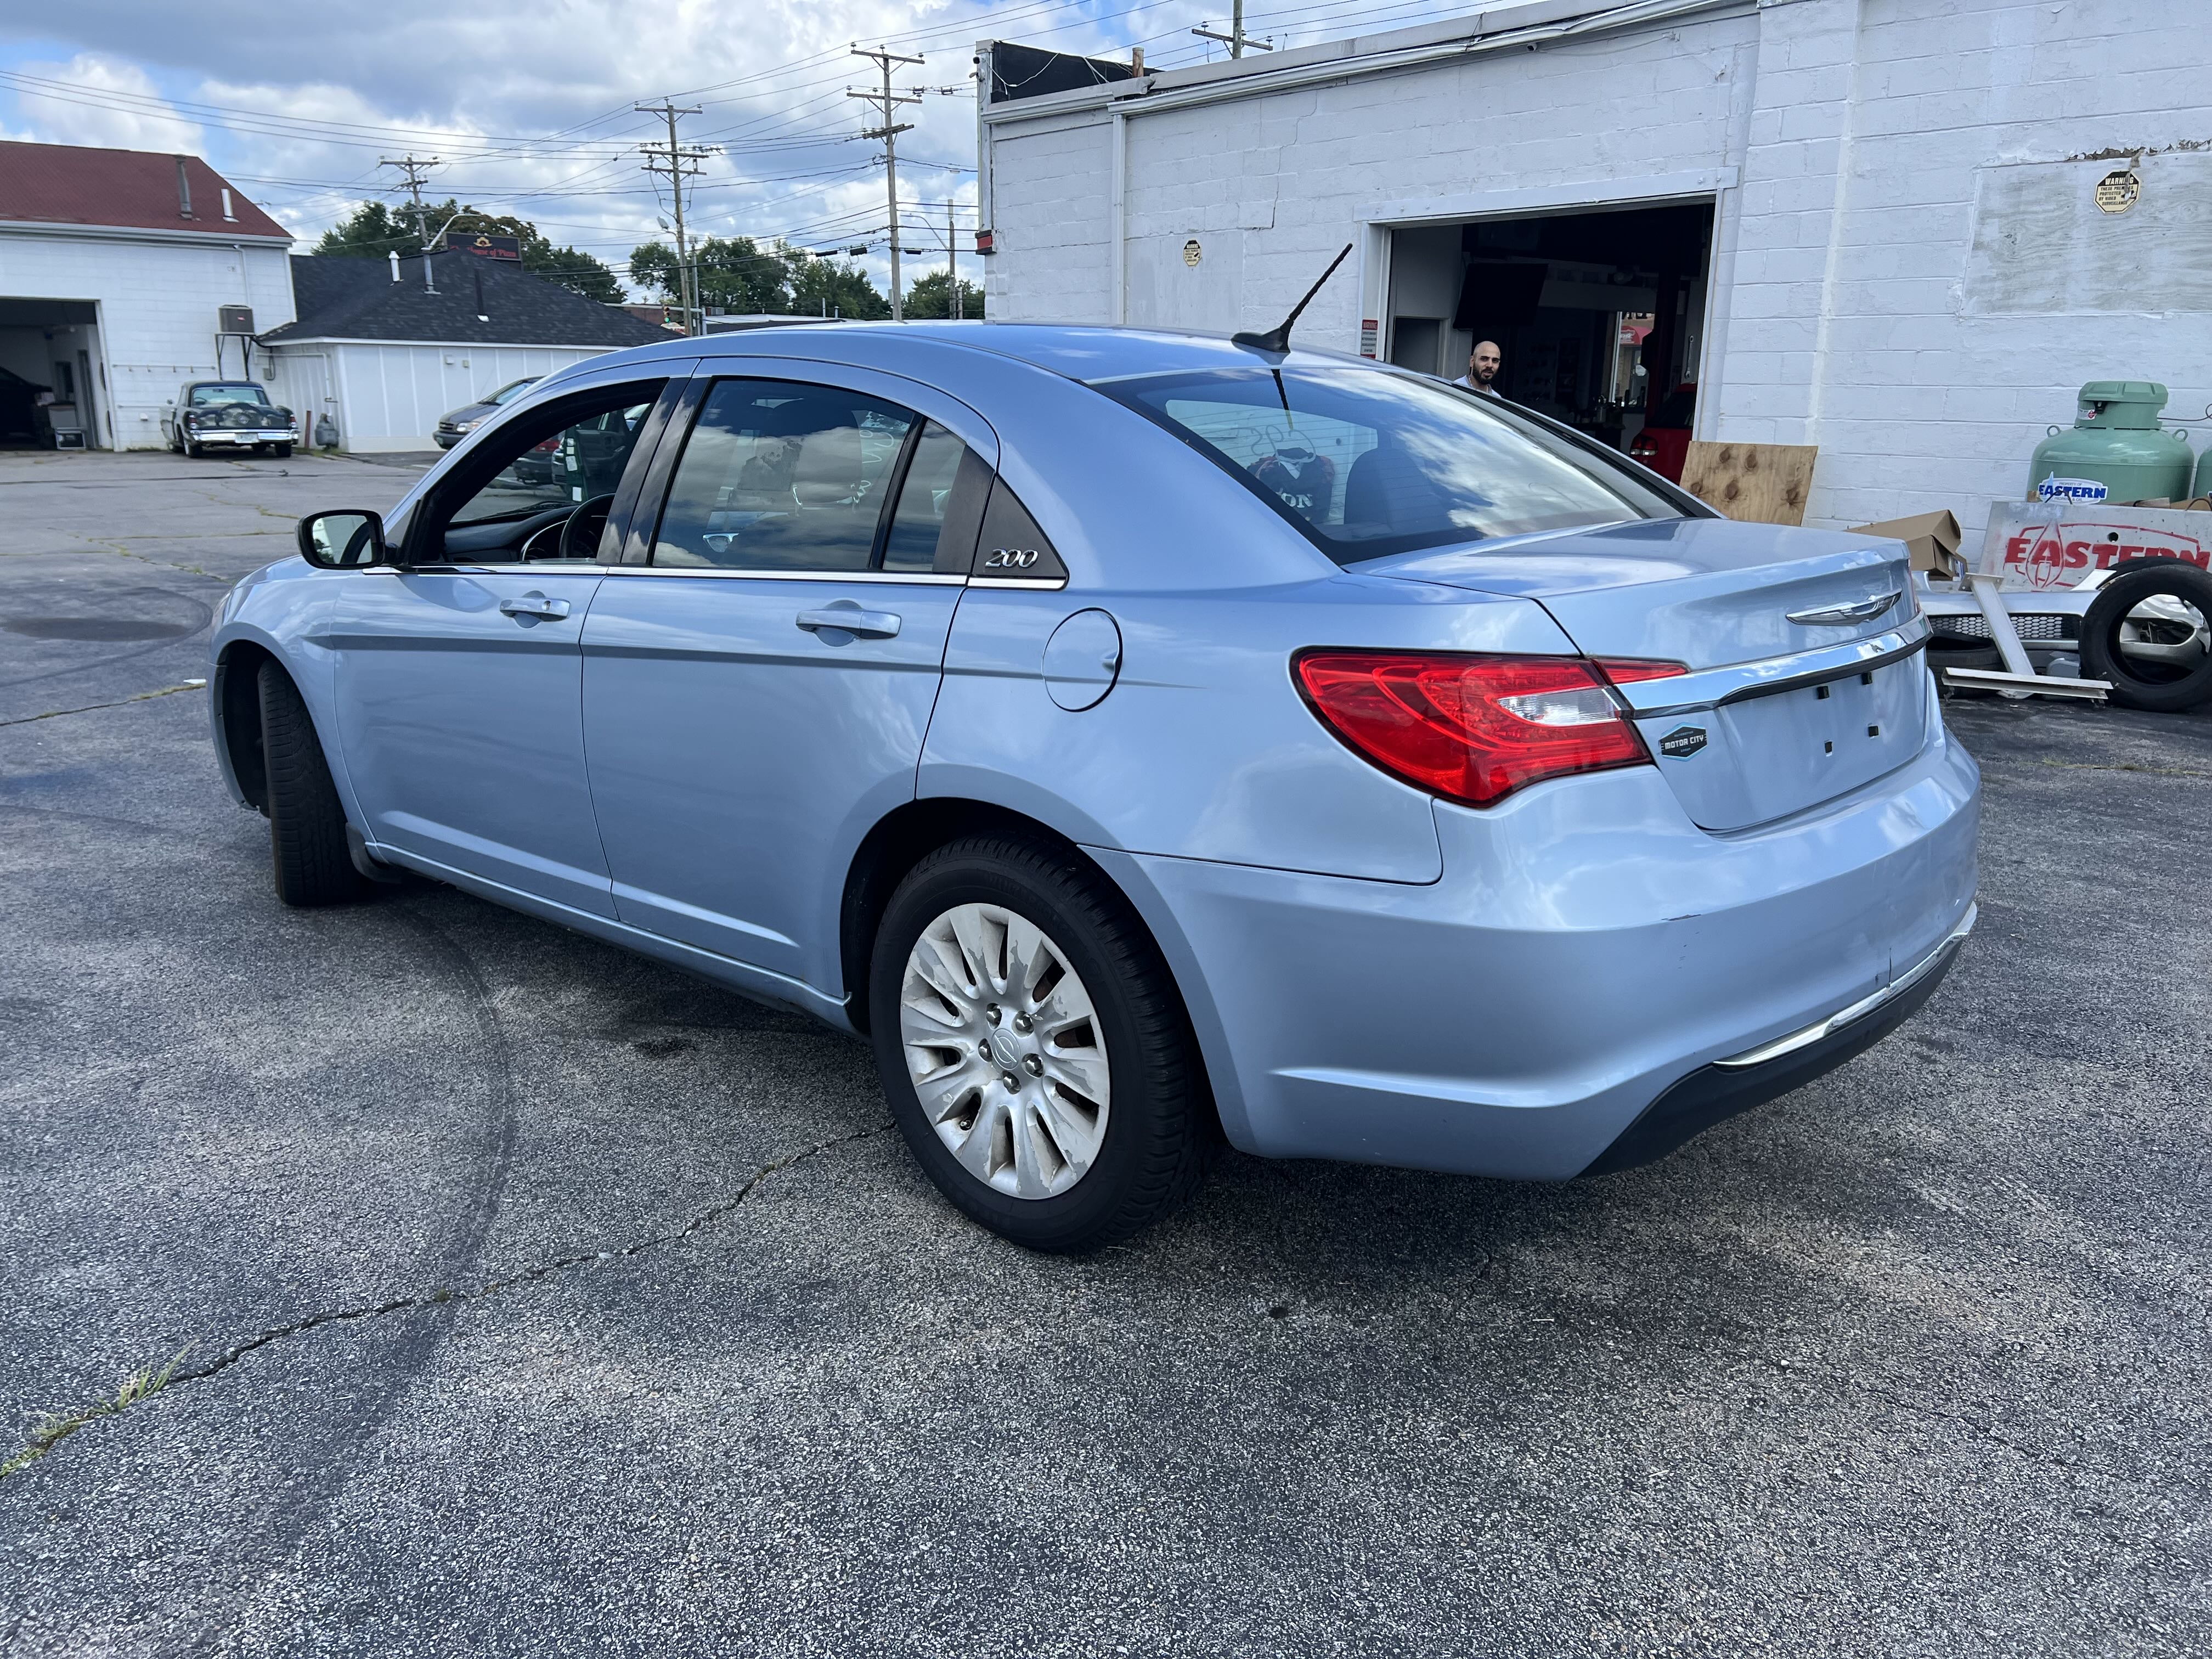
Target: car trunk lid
pixel 1803 684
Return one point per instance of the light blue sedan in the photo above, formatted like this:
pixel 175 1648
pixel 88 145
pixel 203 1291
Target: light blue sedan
pixel 1142 739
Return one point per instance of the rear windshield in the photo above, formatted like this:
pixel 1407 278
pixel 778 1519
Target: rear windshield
pixel 204 395
pixel 1369 464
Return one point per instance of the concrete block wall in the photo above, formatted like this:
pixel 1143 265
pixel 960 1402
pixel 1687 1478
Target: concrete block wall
pixel 157 308
pixel 1933 374
pixel 1874 142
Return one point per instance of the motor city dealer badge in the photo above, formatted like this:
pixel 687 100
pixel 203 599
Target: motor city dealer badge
pixel 1682 742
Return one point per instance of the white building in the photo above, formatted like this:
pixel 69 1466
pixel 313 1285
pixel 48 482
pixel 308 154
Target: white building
pixel 1904 232
pixel 115 269
pixel 383 348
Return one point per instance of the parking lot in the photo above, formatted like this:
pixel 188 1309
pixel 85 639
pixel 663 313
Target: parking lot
pixel 532 1297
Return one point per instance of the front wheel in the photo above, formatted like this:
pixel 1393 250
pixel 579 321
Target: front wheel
pixel 1035 1054
pixel 307 852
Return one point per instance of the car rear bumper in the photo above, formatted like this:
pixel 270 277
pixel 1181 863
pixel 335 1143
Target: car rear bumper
pixel 1587 950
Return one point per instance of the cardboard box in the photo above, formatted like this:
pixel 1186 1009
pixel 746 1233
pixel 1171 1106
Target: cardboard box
pixel 1932 539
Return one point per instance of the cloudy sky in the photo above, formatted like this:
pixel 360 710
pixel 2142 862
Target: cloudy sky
pixel 528 107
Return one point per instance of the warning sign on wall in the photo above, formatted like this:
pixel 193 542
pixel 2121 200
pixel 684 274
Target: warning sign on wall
pixel 2038 546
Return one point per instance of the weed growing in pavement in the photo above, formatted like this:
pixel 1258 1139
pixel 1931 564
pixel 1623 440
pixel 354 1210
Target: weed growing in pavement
pixel 56 1427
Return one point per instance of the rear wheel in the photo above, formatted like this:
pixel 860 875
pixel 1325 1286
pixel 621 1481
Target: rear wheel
pixel 283 451
pixel 1034 1048
pixel 308 853
pixel 2148 634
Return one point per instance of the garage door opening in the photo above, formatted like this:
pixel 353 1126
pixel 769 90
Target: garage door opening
pixel 50 393
pixel 1600 315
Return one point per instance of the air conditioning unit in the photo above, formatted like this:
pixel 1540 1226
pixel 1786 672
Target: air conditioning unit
pixel 233 319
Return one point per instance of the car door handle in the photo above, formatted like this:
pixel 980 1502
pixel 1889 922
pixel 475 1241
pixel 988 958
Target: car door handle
pixel 851 619
pixel 535 604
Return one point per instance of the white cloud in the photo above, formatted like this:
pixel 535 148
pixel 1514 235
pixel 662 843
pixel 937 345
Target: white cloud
pixel 109 104
pixel 529 106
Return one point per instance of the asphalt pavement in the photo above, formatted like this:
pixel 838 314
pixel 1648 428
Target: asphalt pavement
pixel 532 1298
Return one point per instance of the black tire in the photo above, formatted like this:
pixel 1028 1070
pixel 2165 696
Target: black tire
pixel 1160 1127
pixel 282 452
pixel 308 853
pixel 191 450
pixel 2158 688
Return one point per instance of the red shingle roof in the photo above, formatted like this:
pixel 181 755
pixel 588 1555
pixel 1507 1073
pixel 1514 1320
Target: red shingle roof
pixel 68 183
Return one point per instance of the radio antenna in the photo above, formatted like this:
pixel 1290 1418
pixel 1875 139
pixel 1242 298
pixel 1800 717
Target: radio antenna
pixel 1279 338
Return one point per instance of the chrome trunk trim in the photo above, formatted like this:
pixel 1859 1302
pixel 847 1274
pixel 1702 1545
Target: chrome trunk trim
pixel 1716 688
pixel 1859 1010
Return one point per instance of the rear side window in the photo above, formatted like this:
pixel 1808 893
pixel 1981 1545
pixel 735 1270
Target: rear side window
pixel 939 504
pixel 780 475
pixel 1366 464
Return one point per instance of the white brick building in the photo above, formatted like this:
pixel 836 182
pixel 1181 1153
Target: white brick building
pixel 1875 222
pixel 114 267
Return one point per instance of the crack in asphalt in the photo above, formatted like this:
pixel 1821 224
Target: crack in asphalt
pixel 120 702
pixel 447 1296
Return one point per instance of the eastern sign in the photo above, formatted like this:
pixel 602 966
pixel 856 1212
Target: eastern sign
pixel 2037 548
pixel 1682 742
pixel 2056 488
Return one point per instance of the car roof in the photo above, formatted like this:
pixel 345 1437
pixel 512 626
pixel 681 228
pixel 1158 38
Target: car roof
pixel 1081 352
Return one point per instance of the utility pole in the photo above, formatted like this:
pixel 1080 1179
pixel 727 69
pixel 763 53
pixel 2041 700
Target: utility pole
pixel 1236 39
pixel 678 162
pixel 415 172
pixel 887 103
pixel 952 264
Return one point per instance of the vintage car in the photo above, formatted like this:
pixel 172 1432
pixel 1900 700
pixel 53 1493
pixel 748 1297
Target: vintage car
pixel 208 416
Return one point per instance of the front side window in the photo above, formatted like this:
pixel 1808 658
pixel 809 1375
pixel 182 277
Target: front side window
pixel 207 397
pixel 579 462
pixel 1367 464
pixel 782 476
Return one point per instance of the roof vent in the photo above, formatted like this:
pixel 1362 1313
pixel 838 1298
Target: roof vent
pixel 184 189
pixel 395 265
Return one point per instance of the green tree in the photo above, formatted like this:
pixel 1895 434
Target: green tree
pixel 931 296
pixel 820 287
pixel 373 230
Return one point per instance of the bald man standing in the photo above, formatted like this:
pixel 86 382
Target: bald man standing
pixel 1482 366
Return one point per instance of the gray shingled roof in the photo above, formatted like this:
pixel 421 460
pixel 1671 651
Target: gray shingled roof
pixel 479 301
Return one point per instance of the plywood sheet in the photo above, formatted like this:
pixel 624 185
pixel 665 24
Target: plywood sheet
pixel 1758 483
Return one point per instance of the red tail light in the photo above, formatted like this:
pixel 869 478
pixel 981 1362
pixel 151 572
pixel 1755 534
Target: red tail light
pixel 1474 729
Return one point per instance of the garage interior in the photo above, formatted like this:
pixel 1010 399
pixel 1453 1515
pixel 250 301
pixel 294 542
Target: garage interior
pixel 49 345
pixel 1592 309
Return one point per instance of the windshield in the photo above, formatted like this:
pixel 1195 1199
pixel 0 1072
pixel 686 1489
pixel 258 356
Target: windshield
pixel 1368 464
pixel 204 395
pixel 512 389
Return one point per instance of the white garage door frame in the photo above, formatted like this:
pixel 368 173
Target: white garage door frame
pixel 1376 219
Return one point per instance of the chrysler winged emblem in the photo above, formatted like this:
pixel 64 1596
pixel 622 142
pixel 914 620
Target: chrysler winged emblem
pixel 1831 615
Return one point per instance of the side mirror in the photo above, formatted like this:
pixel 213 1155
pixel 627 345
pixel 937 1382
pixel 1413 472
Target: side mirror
pixel 343 540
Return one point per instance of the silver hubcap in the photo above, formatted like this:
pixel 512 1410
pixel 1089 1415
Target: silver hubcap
pixel 1004 1050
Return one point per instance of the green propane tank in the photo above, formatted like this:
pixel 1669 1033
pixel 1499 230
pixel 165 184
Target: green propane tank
pixel 2115 451
pixel 2204 471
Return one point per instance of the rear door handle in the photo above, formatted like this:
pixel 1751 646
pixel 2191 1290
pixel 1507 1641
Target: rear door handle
pixel 535 604
pixel 849 617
